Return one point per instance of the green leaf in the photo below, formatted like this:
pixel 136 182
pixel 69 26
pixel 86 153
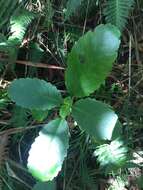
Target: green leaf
pixel 19 24
pixel 34 94
pixel 49 150
pixel 117 12
pixel 95 118
pixel 72 6
pixel 39 115
pixel 51 185
pixel 19 117
pixel 91 59
pixel 112 156
pixel 20 18
pixel 117 132
pixel 66 107
pixel 7 8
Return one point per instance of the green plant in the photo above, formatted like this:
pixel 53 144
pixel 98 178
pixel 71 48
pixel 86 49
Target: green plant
pixel 117 184
pixel 117 12
pixel 8 8
pixel 89 63
pixel 112 156
pixel 80 8
pixel 19 23
pixel 71 7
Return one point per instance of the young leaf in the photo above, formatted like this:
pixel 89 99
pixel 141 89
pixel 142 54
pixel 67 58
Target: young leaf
pixel 91 59
pixel 49 150
pixel 51 185
pixel 66 107
pixel 95 118
pixel 34 94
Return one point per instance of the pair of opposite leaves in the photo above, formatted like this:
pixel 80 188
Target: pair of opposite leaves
pixel 89 63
